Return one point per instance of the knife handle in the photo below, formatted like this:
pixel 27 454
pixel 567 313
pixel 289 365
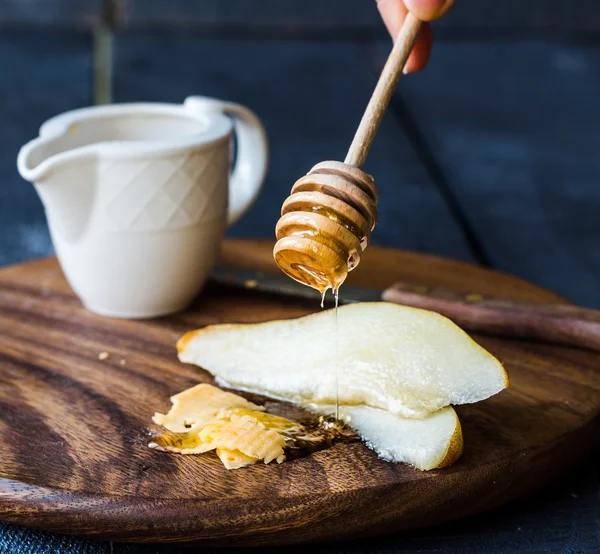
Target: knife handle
pixel 551 323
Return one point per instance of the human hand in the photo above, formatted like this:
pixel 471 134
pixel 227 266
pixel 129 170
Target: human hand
pixel 393 13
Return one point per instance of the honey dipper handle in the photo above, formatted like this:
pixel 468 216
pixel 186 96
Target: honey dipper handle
pixel 371 119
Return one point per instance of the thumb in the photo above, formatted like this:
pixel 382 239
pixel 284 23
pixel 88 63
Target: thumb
pixel 428 10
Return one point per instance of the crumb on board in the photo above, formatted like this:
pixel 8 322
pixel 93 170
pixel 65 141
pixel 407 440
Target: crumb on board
pixel 103 356
pixel 122 362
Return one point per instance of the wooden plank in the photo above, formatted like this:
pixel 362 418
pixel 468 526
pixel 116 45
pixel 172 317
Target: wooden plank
pixel 102 481
pixel 515 127
pixel 311 96
pixel 49 73
pixel 548 15
pixel 562 518
pixel 77 13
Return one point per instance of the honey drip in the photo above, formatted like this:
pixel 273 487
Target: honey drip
pixel 336 297
pixel 336 294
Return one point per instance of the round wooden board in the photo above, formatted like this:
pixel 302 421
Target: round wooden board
pixel 73 428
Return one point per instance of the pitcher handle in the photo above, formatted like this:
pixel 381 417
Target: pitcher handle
pixel 252 152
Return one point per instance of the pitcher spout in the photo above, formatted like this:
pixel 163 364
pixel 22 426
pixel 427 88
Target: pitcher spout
pixel 64 178
pixel 57 146
pixel 33 161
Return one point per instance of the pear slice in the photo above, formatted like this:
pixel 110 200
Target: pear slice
pixel 433 442
pixel 408 361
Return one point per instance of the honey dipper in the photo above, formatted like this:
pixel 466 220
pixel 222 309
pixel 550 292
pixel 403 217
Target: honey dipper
pixel 327 220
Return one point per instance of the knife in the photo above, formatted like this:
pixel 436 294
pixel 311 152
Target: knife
pixel 551 323
pixel 274 283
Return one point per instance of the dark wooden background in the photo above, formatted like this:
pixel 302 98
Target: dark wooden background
pixel 489 156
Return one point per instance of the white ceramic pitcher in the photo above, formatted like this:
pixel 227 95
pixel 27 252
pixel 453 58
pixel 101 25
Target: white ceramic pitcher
pixel 138 196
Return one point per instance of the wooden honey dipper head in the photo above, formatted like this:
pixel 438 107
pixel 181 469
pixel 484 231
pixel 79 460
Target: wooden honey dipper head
pixel 326 224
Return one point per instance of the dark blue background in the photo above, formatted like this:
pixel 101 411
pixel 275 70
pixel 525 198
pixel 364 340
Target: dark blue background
pixel 491 156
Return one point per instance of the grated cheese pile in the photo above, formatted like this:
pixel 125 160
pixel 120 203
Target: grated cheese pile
pixel 205 418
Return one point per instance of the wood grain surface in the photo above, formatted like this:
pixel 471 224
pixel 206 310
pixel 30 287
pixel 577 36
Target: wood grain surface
pixel 73 428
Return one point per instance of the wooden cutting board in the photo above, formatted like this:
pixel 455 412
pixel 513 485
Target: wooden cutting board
pixel 73 428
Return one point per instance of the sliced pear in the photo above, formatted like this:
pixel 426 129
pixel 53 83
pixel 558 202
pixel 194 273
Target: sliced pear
pixel 433 442
pixel 408 361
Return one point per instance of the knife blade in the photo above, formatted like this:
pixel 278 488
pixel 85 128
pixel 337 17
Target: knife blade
pixel 274 283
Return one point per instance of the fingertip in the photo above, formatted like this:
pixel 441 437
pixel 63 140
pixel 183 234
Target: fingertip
pixel 393 13
pixel 421 50
pixel 428 10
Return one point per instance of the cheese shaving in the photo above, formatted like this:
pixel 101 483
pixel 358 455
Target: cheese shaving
pixel 205 418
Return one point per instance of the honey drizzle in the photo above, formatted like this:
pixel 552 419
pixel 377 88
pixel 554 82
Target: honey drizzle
pixel 336 294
